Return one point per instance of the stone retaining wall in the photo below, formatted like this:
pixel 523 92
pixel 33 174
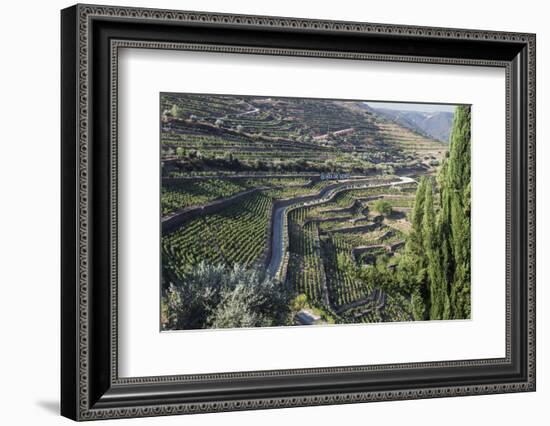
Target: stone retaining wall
pixel 351 229
pixel 313 177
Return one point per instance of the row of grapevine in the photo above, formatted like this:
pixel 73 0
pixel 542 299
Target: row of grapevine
pixel 305 266
pixel 384 307
pixel 307 263
pixel 237 235
pixel 340 268
pixel 297 191
pixel 178 196
pixel 241 230
pixel 190 245
pixel 203 105
pixel 383 234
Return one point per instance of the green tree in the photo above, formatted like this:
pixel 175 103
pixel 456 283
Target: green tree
pixel 445 234
pixel 434 270
pixel 383 207
pixel 176 111
pixel 437 282
pixel 412 269
pixel 457 189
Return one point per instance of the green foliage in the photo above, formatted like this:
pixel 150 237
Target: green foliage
pixel 428 278
pixel 456 189
pixel 213 296
pixel 418 305
pixel 235 235
pixel 299 302
pixel 439 298
pixel 342 272
pixel 436 265
pixel 305 266
pixel 322 265
pixel 287 134
pixel 176 111
pixel 383 207
pixel 176 196
pixel 412 271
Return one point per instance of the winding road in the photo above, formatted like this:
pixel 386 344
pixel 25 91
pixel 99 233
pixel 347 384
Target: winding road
pixel 279 228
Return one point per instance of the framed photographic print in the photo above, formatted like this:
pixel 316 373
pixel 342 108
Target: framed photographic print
pixel 263 212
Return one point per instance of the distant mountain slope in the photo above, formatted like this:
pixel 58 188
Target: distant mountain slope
pixel 435 124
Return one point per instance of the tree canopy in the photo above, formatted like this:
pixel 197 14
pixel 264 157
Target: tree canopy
pixel 383 207
pixel 433 271
pixel 436 265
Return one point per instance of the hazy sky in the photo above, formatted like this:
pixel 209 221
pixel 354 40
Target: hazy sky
pixel 413 107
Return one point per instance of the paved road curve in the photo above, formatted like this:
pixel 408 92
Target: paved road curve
pixel 279 231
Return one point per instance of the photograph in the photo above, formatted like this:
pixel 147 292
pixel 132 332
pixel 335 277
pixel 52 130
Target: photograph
pixel 279 211
pixel 273 208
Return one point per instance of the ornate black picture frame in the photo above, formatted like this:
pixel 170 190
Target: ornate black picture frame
pixel 90 38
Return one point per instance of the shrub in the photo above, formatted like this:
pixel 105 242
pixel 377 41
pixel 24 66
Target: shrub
pixel 213 296
pixel 176 111
pixel 383 207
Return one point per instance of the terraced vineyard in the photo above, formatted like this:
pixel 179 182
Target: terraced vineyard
pixel 328 244
pixel 236 235
pixel 192 193
pixel 313 197
pixel 305 266
pixel 259 134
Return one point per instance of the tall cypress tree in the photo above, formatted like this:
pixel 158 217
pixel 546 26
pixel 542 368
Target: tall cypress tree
pixel 456 194
pixel 433 243
pixel 429 244
pixel 415 241
pixel 444 223
pixel 436 261
pixel 445 255
pixel 435 266
pixel 413 266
